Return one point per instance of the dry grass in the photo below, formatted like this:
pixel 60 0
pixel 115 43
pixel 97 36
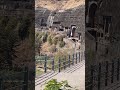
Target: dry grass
pixel 45 47
pixel 59 4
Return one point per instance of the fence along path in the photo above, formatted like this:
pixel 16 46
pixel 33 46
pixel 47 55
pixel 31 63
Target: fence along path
pixel 105 75
pixel 73 63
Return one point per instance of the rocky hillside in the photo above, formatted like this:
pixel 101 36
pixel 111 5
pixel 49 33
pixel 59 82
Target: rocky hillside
pixel 59 4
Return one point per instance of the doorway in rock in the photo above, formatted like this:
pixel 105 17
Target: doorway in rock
pixel 92 11
pixel 73 29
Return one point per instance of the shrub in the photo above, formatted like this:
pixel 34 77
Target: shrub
pixel 54 85
pixel 60 38
pixel 61 44
pixel 60 55
pixel 57 56
pixel 55 41
pixel 49 39
pixel 52 49
pixel 45 37
pixel 40 35
pixel 36 34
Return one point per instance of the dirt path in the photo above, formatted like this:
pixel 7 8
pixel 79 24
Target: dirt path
pixel 74 75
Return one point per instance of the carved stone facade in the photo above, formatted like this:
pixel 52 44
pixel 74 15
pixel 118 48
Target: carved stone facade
pixel 71 17
pixel 16 7
pixel 102 22
pixel 41 17
pixel 62 20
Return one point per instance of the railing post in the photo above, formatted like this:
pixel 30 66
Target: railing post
pixel 83 55
pixel 53 64
pixel 45 64
pixel 73 60
pixel 65 63
pixel 99 77
pixel 25 87
pixel 118 70
pixel 1 84
pixel 76 58
pixel 59 63
pixel 69 61
pixel 112 73
pixel 79 56
pixel 106 74
pixel 91 79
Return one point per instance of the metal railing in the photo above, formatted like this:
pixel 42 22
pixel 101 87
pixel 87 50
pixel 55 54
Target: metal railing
pixel 103 76
pixel 51 64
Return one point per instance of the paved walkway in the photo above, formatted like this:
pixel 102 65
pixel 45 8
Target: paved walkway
pixel 75 75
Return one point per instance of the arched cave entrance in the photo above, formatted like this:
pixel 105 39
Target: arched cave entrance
pixel 91 15
pixel 73 30
pixel 92 11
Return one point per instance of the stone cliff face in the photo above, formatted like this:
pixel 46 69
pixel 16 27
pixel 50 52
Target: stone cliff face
pixel 67 18
pixel 61 12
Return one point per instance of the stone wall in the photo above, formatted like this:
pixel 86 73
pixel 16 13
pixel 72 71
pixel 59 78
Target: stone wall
pixel 89 48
